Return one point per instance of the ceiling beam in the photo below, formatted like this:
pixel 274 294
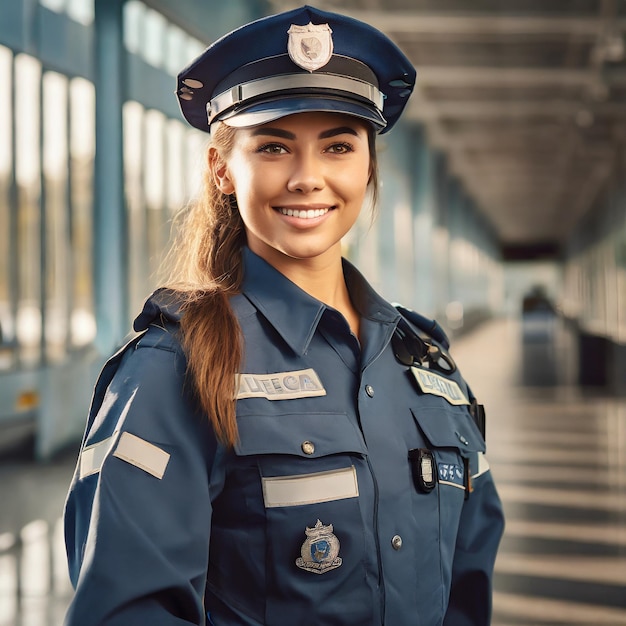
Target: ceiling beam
pixel 445 76
pixel 489 109
pixel 415 23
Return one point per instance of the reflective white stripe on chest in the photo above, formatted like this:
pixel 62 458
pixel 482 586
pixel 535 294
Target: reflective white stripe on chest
pixel 436 385
pixel 280 491
pixel 280 385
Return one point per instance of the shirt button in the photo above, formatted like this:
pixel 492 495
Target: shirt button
pixel 307 447
pixel 396 542
pixel 369 390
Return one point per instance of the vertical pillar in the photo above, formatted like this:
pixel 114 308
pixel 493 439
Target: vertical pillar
pixel 110 227
pixel 424 210
pixel 441 236
pixel 15 250
pixel 455 236
pixel 44 246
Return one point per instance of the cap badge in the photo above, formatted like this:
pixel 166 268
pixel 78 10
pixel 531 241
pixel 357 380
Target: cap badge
pixel 311 46
pixel 319 551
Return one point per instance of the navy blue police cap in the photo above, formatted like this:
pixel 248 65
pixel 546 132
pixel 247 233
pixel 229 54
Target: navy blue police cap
pixel 297 61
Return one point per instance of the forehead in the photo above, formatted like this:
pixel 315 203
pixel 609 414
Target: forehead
pixel 311 123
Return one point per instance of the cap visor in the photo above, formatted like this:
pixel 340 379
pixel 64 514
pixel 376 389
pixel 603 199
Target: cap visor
pixel 264 112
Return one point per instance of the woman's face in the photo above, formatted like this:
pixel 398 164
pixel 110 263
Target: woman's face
pixel 300 182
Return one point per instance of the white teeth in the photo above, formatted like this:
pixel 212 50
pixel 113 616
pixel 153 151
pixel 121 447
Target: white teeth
pixel 304 214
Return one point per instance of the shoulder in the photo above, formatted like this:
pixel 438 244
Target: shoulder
pixel 424 324
pixel 152 359
pixel 158 324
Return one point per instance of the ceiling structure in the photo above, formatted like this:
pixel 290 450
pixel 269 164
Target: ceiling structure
pixel 526 97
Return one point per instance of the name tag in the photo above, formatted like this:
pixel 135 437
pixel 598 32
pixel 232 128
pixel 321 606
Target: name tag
pixel 280 385
pixel 310 488
pixel 437 385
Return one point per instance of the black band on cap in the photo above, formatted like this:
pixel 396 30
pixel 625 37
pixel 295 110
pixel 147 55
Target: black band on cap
pixel 282 64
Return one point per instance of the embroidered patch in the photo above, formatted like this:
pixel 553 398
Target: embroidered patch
pixel 142 454
pixel 451 474
pixel 311 46
pixel 437 385
pixel 319 553
pixel 280 385
pixel 310 488
pixel 92 457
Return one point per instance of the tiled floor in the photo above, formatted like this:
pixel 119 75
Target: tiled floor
pixel 34 585
pixel 557 452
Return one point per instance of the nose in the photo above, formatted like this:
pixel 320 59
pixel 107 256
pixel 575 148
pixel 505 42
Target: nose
pixel 307 174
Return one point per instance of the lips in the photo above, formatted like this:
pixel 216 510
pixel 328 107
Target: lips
pixel 303 214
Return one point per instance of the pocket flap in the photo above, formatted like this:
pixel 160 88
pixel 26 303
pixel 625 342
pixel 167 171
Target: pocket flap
pixel 309 435
pixel 449 428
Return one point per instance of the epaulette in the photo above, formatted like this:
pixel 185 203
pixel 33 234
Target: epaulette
pixel 425 324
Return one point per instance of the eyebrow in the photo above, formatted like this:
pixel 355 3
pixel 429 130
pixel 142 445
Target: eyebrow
pixel 333 132
pixel 285 134
pixel 273 132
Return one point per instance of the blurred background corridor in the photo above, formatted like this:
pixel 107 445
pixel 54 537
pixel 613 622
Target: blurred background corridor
pixel 502 214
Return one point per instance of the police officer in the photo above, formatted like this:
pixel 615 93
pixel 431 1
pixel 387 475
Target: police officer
pixel 279 445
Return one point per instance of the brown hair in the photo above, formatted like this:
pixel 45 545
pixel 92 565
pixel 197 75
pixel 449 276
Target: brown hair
pixel 206 269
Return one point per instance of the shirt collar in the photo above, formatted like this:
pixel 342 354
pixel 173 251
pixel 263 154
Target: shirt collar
pixel 367 301
pixel 294 313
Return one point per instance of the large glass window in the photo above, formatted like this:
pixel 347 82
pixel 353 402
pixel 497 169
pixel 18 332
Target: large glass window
pixel 163 159
pixel 81 11
pixel 56 223
pixel 163 164
pixel 7 323
pixel 161 44
pixel 47 147
pixel 28 177
pixel 82 142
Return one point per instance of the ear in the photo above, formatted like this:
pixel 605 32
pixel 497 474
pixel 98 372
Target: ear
pixel 219 170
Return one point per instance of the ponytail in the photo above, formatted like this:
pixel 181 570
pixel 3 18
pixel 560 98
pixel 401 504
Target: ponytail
pixel 206 262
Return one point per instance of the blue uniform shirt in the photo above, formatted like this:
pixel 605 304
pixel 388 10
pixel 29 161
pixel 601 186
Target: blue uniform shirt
pixel 315 517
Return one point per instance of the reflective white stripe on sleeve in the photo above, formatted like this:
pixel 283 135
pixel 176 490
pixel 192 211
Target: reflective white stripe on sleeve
pixel 92 457
pixel 310 488
pixel 142 454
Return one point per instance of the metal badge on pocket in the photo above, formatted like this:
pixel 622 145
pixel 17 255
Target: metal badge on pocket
pixel 319 551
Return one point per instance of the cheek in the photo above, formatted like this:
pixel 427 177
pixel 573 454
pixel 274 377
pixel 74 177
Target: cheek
pixel 243 179
pixel 251 181
pixel 357 180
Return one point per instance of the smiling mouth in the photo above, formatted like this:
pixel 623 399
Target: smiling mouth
pixel 304 214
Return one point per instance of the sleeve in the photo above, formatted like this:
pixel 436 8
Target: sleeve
pixel 480 530
pixel 138 514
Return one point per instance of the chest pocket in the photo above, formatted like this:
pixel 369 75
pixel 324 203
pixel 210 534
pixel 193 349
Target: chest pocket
pixel 449 427
pixel 299 443
pixel 455 439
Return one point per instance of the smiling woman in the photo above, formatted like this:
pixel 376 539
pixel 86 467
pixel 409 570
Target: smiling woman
pixel 299 183
pixel 280 445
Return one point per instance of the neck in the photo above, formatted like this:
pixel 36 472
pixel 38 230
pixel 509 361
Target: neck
pixel 325 282
pixel 329 286
pixel 321 277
